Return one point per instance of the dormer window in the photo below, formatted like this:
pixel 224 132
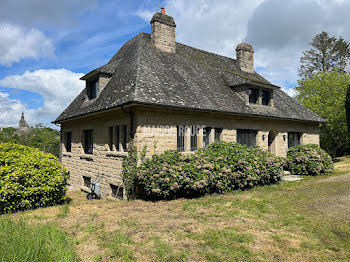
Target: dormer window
pixel 266 97
pixel 92 89
pixel 253 95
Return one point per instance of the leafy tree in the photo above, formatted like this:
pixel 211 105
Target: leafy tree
pixel 327 54
pixel 39 136
pixel 325 94
pixel 8 135
pixel 347 107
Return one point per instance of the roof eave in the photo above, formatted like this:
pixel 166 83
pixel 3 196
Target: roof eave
pixel 321 121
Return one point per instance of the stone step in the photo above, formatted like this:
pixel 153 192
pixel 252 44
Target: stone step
pixel 291 178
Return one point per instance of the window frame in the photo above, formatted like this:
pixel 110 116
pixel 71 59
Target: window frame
pixel 180 135
pixel 246 132
pixel 123 136
pixel 110 138
pixel 254 94
pixel 265 100
pixel 218 134
pixel 206 135
pixel 88 143
pixel 117 138
pixel 68 141
pixel 193 138
pixel 117 191
pixel 294 135
pixel 93 88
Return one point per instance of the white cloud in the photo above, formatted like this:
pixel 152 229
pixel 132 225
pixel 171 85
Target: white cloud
pixel 11 110
pixel 17 43
pixel 58 88
pixel 278 30
pixel 216 26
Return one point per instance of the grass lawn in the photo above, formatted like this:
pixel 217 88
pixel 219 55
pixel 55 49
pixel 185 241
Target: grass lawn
pixel 307 220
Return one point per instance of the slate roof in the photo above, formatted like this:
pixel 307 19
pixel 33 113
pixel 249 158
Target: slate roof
pixel 190 79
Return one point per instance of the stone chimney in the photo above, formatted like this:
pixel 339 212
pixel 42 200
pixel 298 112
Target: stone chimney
pixel 245 57
pixel 163 32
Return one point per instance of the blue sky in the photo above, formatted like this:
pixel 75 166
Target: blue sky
pixel 46 46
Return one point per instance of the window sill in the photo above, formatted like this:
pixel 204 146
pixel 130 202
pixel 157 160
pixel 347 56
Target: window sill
pixel 188 152
pixel 67 154
pixel 117 154
pixel 87 157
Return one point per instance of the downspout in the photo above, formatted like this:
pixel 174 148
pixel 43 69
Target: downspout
pixel 130 112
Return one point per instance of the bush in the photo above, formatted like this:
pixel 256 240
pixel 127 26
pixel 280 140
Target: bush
pixel 217 168
pixel 29 178
pixel 309 160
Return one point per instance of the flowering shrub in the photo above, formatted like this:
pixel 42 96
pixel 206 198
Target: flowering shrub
pixel 29 178
pixel 309 160
pixel 217 168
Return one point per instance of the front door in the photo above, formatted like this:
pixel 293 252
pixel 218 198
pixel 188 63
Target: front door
pixel 271 142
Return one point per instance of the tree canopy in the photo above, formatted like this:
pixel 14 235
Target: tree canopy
pixel 39 136
pixel 325 94
pixel 327 53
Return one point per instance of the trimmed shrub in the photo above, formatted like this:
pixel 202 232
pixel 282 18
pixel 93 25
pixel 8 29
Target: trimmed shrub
pixel 309 160
pixel 217 168
pixel 29 178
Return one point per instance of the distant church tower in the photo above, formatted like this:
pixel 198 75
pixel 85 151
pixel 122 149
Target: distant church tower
pixel 23 126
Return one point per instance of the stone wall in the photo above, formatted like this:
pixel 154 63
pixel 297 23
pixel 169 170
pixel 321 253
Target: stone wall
pixel 165 121
pixel 156 129
pixel 102 160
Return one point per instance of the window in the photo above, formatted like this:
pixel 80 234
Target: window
pixel 87 181
pixel 123 137
pixel 181 138
pixel 293 139
pixel 116 138
pixel 194 138
pixel 253 95
pixel 88 143
pixel 246 137
pixel 68 141
pixel 117 191
pixel 110 138
pixel 266 97
pixel 92 90
pixel 206 135
pixel 218 132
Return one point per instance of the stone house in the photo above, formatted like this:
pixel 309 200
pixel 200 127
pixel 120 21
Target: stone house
pixel 161 94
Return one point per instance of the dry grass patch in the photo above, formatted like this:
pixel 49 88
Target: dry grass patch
pixel 293 221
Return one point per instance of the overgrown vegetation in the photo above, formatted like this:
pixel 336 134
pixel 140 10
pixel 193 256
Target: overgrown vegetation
pixel 309 160
pixel 325 94
pixel 217 168
pixel 39 136
pixel 323 86
pixel 34 243
pixel 29 178
pixel 307 220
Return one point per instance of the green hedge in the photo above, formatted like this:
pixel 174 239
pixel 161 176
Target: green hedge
pixel 29 178
pixel 309 160
pixel 217 168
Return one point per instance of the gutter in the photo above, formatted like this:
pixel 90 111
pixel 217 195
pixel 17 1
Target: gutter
pixel 188 109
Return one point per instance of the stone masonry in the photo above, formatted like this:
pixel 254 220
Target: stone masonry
pixel 163 32
pixel 245 57
pixel 156 129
